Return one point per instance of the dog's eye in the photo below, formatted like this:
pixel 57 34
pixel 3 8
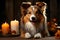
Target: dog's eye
pixel 29 12
pixel 38 12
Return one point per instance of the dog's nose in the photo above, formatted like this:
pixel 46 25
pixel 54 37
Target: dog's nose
pixel 33 18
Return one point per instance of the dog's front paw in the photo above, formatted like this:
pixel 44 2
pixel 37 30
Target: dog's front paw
pixel 38 35
pixel 27 35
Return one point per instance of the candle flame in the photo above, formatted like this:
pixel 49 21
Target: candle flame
pixel 5 22
pixel 15 19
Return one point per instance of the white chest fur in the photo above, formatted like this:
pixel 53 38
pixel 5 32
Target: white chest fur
pixel 30 28
pixel 31 31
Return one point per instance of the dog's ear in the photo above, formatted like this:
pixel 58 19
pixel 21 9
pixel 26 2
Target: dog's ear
pixel 42 6
pixel 24 7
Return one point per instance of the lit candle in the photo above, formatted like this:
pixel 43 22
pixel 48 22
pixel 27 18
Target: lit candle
pixel 5 28
pixel 15 27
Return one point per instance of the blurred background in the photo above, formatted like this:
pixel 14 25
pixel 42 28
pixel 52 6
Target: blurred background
pixel 10 9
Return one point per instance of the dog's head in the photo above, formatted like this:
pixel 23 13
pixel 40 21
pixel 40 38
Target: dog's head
pixel 33 13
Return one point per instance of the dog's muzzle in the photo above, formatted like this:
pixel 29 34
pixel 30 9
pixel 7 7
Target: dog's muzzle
pixel 33 18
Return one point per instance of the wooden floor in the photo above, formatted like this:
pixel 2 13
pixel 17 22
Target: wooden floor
pixel 18 38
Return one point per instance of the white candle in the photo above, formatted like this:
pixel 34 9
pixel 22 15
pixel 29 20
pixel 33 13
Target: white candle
pixel 15 27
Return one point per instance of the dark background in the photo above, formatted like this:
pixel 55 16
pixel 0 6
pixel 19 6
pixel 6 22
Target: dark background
pixel 10 9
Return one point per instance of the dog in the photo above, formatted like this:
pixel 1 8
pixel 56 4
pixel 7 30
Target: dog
pixel 32 20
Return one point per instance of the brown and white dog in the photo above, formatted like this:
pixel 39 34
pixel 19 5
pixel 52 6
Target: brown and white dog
pixel 32 20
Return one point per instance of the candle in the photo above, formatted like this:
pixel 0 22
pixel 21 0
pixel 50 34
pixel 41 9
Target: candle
pixel 5 28
pixel 15 27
